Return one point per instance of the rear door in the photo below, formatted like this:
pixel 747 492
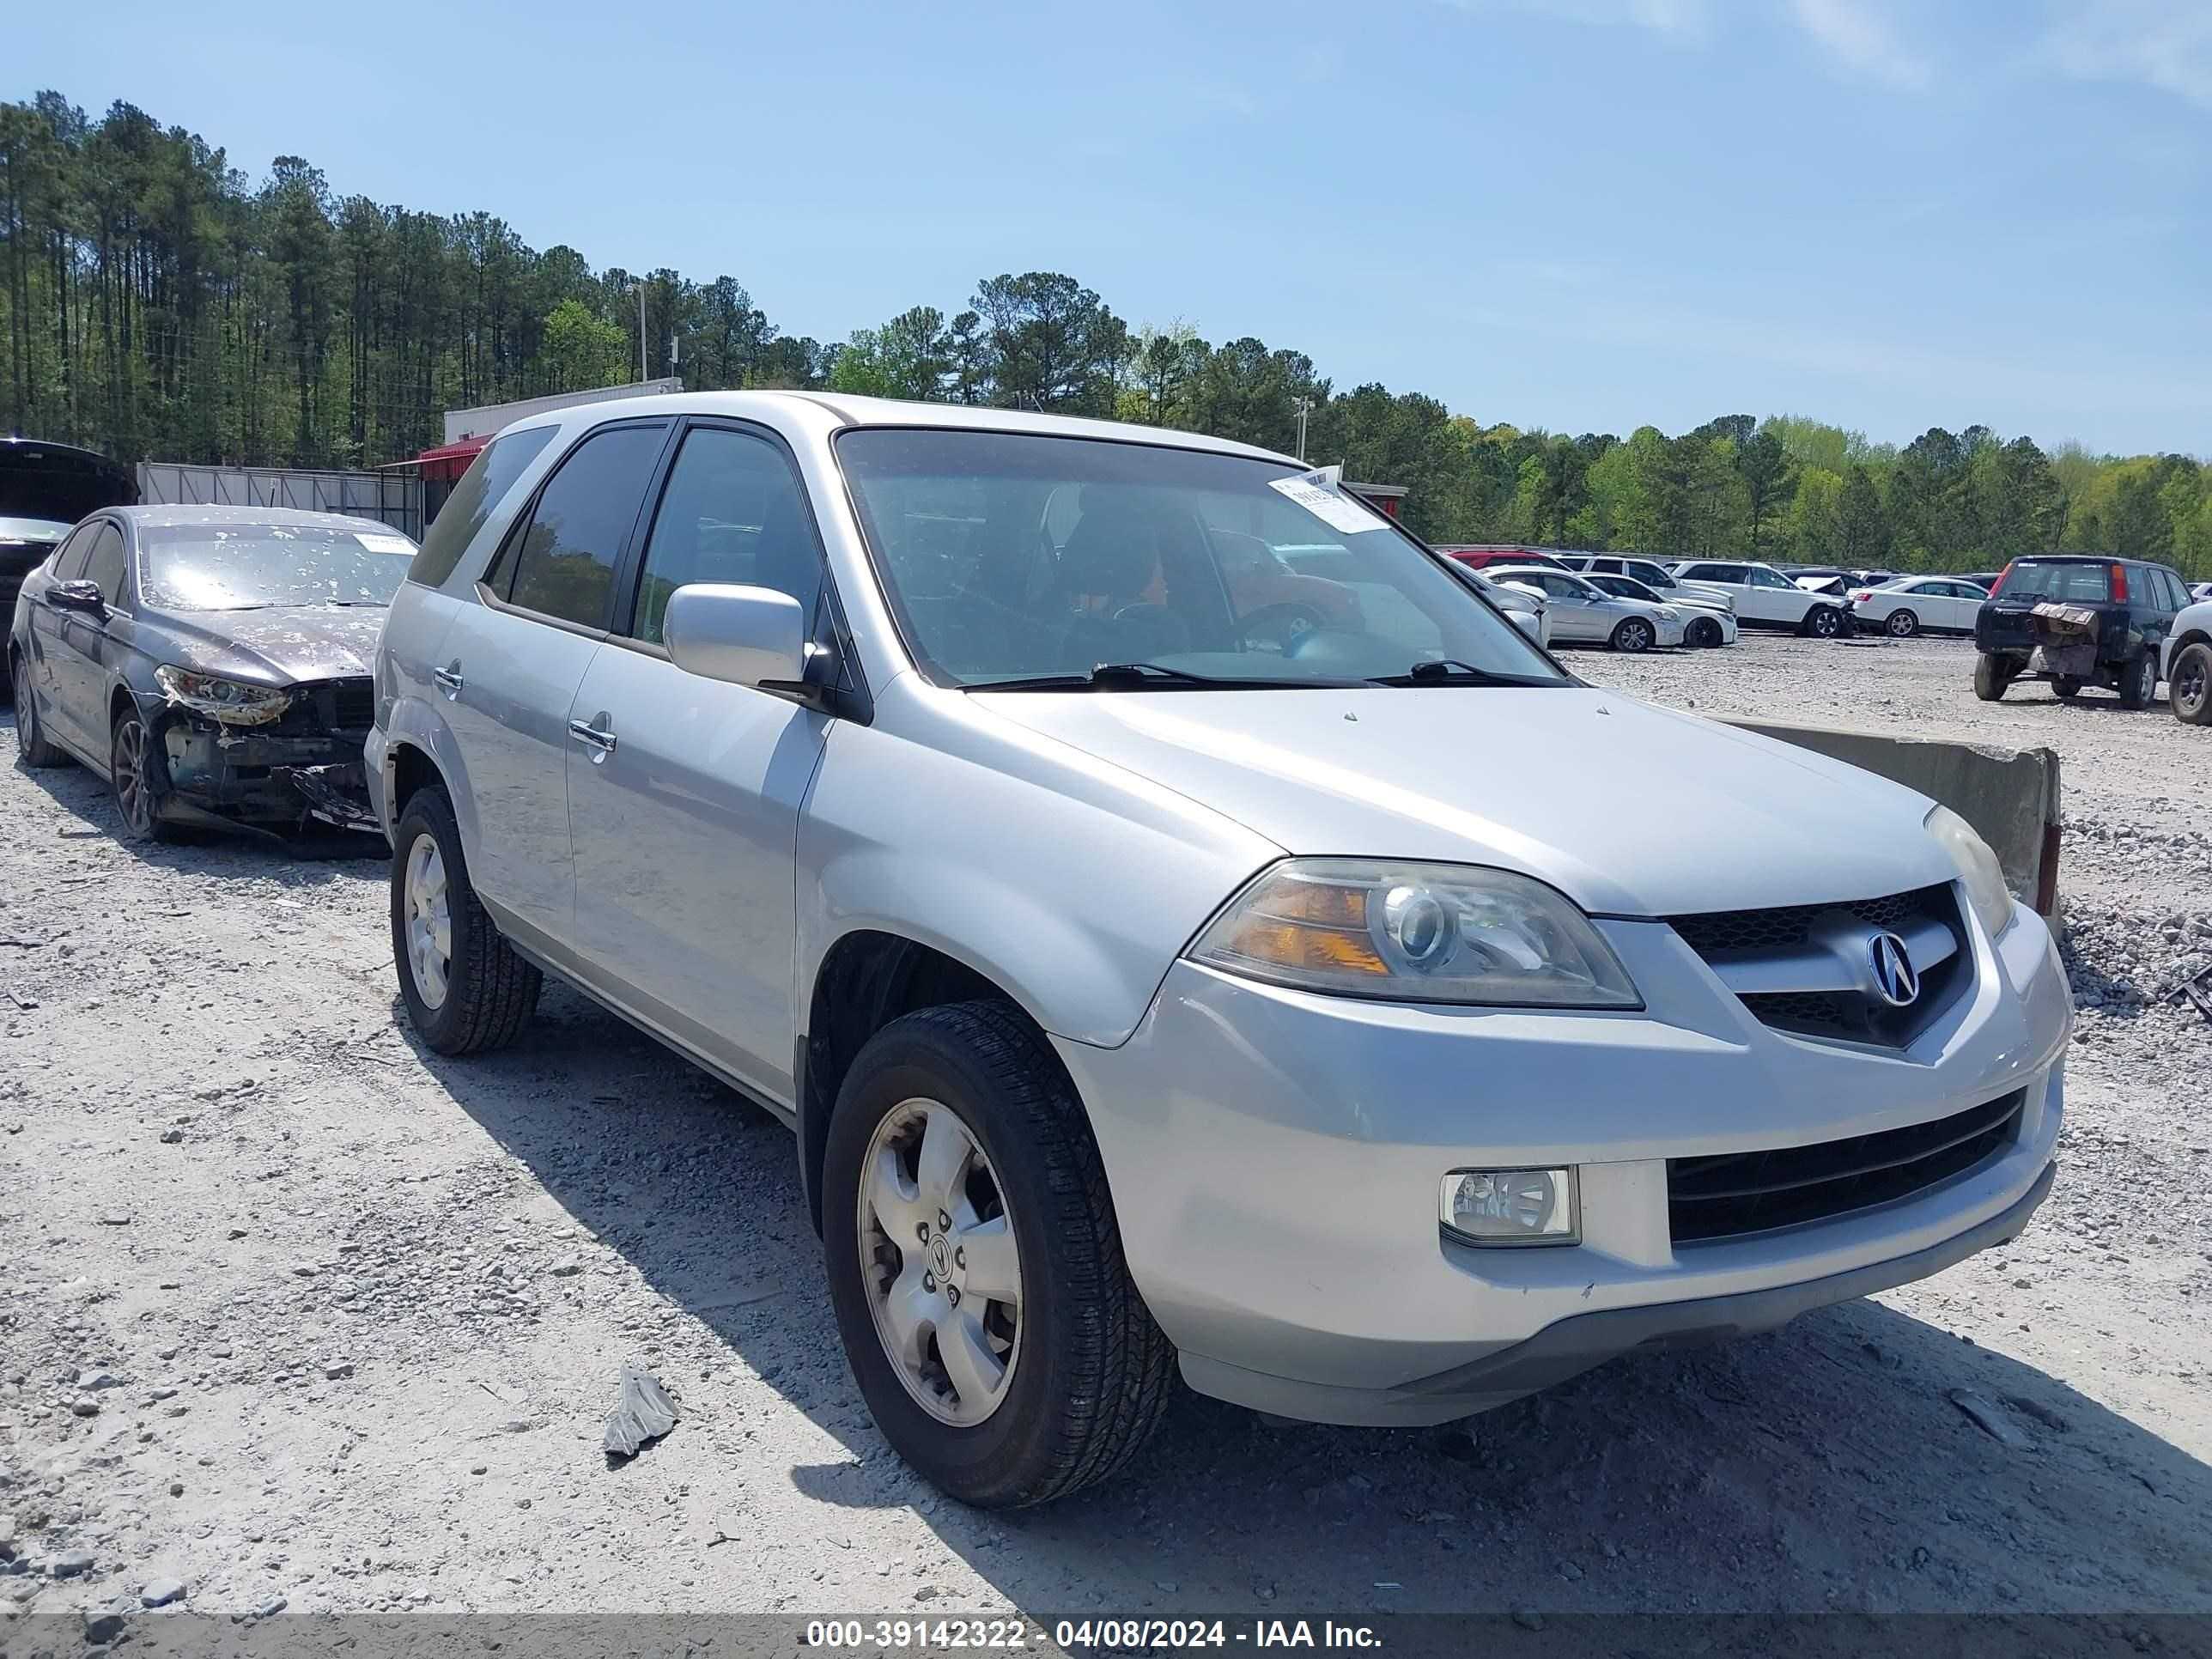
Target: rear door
pixel 45 621
pixel 511 665
pixel 1732 580
pixel 683 793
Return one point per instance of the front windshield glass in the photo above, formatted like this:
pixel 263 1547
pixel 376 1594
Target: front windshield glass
pixel 245 567
pixel 1010 556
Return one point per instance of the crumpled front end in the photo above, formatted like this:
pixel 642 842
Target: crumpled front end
pixel 300 768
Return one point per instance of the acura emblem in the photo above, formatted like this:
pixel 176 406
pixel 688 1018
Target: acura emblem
pixel 1895 979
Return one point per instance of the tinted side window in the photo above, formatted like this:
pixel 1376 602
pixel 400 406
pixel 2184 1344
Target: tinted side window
pixel 1770 578
pixel 2176 597
pixel 731 512
pixel 105 565
pixel 68 560
pixel 564 561
pixel 479 489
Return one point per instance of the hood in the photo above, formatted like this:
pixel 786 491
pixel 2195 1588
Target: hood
pixel 281 644
pixel 1626 808
pixel 44 531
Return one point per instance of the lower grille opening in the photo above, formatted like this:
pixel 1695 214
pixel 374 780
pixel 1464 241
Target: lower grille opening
pixel 1728 1194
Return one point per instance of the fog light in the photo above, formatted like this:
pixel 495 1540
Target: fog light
pixel 1510 1206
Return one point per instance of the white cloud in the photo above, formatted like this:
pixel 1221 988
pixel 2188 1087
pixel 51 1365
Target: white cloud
pixel 1862 40
pixel 2165 44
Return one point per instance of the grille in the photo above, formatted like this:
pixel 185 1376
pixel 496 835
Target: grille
pixel 355 702
pixel 1789 924
pixel 1842 1015
pixel 1729 1195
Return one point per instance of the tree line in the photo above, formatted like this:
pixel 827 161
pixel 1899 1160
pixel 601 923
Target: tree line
pixel 160 303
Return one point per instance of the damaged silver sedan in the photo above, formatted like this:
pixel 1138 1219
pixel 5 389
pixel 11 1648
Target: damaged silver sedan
pixel 212 662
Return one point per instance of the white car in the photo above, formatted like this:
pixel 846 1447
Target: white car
pixel 1765 598
pixel 1653 575
pixel 2201 592
pixel 2187 667
pixel 1526 607
pixel 1707 621
pixel 1919 605
pixel 1584 614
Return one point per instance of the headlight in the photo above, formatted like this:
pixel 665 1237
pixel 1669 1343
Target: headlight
pixel 1977 866
pixel 1668 613
pixel 234 702
pixel 1415 933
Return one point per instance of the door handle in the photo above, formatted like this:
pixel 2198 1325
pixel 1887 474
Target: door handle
pixel 448 679
pixel 603 742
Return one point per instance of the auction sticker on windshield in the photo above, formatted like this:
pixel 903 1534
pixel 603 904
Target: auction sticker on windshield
pixel 385 544
pixel 1337 511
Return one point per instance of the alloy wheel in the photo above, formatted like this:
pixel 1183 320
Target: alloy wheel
pixel 132 792
pixel 429 921
pixel 27 711
pixel 1826 623
pixel 1903 624
pixel 2192 682
pixel 942 1267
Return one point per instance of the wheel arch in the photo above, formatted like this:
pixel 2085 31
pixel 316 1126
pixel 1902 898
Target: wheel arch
pixel 869 977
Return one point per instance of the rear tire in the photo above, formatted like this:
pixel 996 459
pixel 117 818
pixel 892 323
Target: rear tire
pixel 1089 1374
pixel 31 745
pixel 1902 625
pixel 1634 635
pixel 2189 686
pixel 1991 675
pixel 2139 681
pixel 476 994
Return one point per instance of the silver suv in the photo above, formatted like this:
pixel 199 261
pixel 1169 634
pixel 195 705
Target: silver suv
pixel 1168 955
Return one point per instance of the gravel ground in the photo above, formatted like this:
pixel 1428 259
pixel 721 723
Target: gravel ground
pixel 294 1313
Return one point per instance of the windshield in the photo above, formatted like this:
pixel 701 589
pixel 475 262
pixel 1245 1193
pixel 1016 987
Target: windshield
pixel 1010 556
pixel 2082 583
pixel 244 567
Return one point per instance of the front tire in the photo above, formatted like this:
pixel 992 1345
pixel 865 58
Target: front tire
pixel 1006 1357
pixel 2189 686
pixel 1824 622
pixel 465 989
pixel 2139 681
pixel 2066 687
pixel 1703 634
pixel 1902 625
pixel 31 744
pixel 134 778
pixel 1634 635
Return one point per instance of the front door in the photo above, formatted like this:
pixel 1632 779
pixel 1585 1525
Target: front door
pixel 684 793
pixel 510 664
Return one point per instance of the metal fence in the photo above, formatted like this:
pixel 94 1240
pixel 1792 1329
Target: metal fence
pixel 393 497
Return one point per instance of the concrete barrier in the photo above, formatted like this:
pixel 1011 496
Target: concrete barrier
pixel 2010 795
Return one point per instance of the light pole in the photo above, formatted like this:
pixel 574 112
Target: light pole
pixel 1305 407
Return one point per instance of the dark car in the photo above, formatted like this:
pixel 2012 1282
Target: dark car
pixel 212 662
pixel 2077 619
pixel 44 489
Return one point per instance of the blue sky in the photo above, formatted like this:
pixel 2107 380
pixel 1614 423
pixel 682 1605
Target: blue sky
pixel 1583 215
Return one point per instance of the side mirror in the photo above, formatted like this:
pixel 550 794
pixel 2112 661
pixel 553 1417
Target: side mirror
pixel 78 596
pixel 739 636
pixel 1528 623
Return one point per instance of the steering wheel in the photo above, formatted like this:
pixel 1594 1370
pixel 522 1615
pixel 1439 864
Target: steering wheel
pixel 1277 627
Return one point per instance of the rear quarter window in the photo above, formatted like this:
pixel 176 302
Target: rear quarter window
pixel 478 490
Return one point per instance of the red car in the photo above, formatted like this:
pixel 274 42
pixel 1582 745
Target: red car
pixel 1482 554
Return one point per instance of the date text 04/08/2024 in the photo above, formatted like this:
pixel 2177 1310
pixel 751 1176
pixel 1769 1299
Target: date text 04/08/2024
pixel 937 1635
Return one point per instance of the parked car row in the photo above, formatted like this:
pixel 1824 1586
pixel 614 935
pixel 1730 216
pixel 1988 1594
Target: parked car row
pixel 1186 924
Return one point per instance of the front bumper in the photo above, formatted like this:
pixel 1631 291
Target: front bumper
pixel 229 775
pixel 1274 1159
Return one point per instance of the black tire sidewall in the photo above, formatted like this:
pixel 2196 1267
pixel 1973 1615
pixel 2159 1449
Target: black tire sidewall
pixel 429 813
pixel 2202 714
pixel 154 827
pixel 982 1464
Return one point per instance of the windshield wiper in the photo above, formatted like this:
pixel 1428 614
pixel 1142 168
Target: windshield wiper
pixel 1148 677
pixel 1449 671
